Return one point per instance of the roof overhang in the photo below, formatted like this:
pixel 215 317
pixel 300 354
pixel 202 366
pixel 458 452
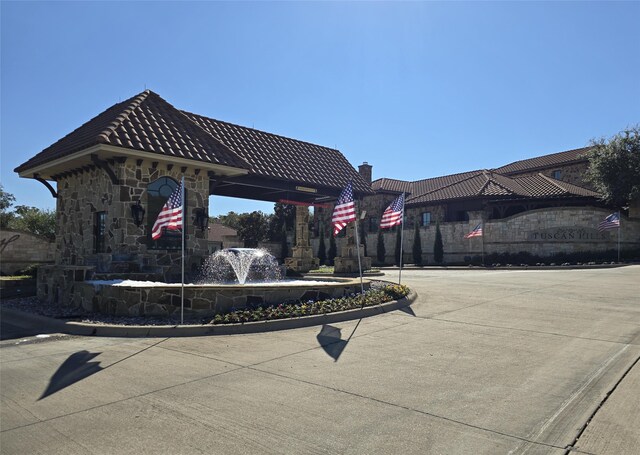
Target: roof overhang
pixel 82 159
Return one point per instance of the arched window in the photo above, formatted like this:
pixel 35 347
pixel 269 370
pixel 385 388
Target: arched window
pixel 158 192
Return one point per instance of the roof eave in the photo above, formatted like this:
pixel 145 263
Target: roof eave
pixel 83 158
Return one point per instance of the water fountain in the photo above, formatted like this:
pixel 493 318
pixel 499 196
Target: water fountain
pixel 232 279
pixel 240 264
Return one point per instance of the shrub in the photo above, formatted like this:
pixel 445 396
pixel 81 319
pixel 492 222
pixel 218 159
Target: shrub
pixel 298 309
pixel 438 248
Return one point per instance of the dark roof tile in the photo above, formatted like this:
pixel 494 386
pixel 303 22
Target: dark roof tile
pixel 274 156
pixel 545 161
pixel 147 123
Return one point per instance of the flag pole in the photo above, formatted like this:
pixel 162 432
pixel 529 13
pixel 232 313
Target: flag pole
pixel 401 240
pixel 482 243
pixel 358 248
pixel 619 229
pixel 182 279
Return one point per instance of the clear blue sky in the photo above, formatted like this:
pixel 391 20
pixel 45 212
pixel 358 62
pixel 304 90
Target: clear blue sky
pixel 417 89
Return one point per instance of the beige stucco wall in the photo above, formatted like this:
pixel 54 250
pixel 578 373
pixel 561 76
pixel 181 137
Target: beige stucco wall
pixel 21 249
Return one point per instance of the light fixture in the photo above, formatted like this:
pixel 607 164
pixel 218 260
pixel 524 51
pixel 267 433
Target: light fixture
pixel 200 218
pixel 137 213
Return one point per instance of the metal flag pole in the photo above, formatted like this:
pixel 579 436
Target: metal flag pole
pixel 482 244
pixel 358 248
pixel 182 280
pixel 619 229
pixel 401 240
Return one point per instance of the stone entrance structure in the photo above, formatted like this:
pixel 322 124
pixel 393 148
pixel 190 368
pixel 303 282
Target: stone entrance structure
pixel 114 173
pixel 302 259
pixel 347 262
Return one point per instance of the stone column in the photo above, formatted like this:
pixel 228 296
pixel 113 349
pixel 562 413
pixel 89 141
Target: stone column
pixel 302 259
pixel 347 262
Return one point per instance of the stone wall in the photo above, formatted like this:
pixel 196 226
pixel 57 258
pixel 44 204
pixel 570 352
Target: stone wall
pixel 19 250
pixel 542 232
pixel 200 300
pixel 83 194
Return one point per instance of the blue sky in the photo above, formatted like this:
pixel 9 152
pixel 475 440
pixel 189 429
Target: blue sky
pixel 417 89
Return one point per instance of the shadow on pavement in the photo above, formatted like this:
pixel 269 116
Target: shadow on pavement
pixel 76 368
pixel 330 340
pixel 408 310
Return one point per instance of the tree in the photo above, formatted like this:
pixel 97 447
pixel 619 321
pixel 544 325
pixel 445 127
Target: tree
pixel 252 228
pixel 381 253
pixel 333 250
pixel 322 249
pixel 398 244
pixel 283 215
pixel 614 167
pixel 231 219
pixel 417 246
pixel 34 220
pixel 284 248
pixel 438 249
pixel 6 201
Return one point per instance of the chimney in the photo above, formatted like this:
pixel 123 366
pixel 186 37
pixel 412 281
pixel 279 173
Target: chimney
pixel 365 172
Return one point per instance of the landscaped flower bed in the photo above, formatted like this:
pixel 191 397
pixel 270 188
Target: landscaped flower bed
pixel 371 297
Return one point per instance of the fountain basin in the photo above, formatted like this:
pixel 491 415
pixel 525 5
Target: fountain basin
pixel 140 298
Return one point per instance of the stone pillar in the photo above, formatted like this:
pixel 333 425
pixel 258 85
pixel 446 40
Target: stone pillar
pixel 302 259
pixel 347 262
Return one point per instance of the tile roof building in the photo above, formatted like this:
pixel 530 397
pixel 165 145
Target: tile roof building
pixel 113 174
pixel 541 206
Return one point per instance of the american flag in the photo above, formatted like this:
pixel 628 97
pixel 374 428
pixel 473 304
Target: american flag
pixel 345 210
pixel 610 222
pixel 476 232
pixel 170 217
pixel 393 214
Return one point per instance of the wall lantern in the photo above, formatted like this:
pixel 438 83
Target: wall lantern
pixel 137 213
pixel 200 219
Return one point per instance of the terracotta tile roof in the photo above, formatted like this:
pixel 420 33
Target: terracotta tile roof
pixel 482 184
pixel 144 122
pixel 419 186
pixel 546 161
pixel 270 155
pixel 542 186
pixel 500 182
pixel 147 122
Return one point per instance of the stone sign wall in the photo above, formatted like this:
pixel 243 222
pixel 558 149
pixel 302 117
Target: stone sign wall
pixel 541 232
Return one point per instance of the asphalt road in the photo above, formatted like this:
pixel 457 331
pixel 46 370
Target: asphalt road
pixel 484 362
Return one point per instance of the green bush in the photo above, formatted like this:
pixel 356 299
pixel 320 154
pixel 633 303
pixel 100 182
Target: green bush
pixel 297 309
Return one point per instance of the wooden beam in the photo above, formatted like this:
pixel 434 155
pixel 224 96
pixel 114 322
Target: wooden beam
pixel 47 184
pixel 101 164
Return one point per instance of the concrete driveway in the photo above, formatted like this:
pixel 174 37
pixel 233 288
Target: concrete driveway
pixel 484 362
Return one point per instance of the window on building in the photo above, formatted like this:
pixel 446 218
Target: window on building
pixel 158 192
pixel 557 174
pixel 425 219
pixel 100 230
pixel 373 224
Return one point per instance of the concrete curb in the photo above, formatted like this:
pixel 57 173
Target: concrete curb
pixel 108 330
pixel 504 267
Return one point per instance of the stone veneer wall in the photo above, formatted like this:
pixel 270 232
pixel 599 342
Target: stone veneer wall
pixel 82 194
pixel 541 232
pixel 200 300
